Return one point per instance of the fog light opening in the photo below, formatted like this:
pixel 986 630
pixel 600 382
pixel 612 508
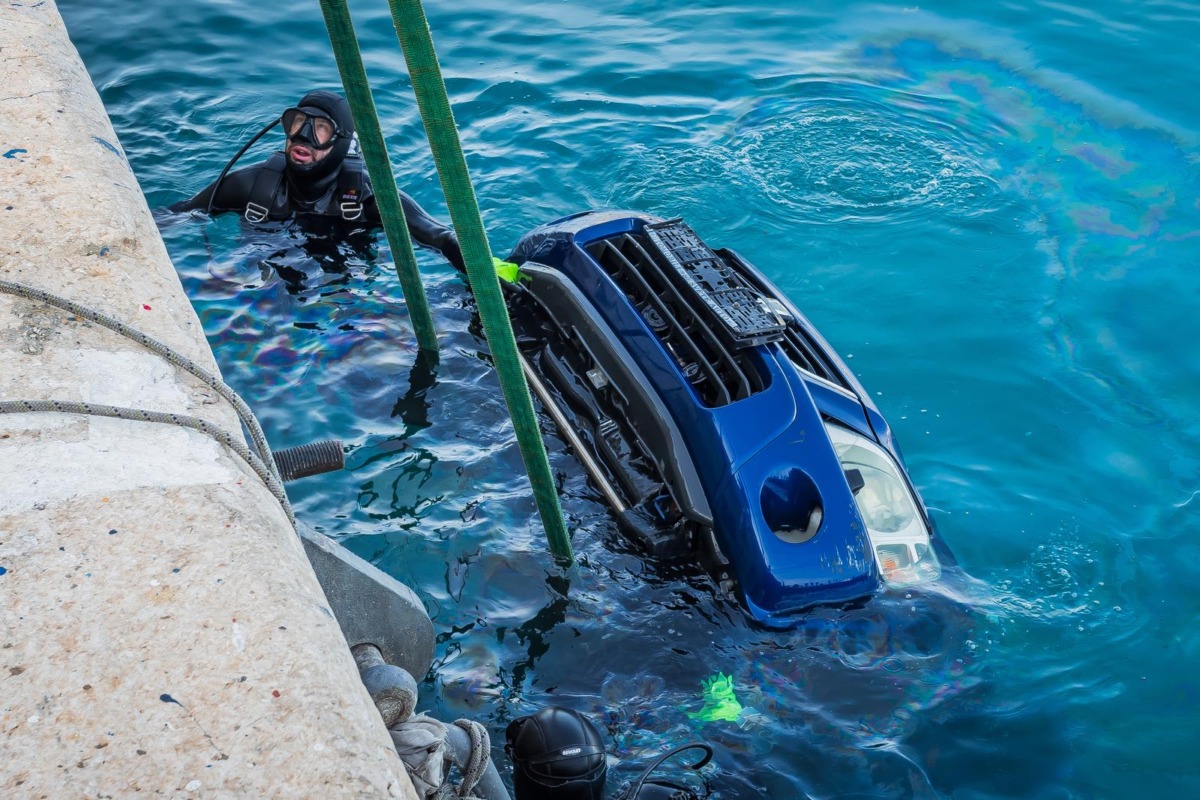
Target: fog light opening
pixel 791 506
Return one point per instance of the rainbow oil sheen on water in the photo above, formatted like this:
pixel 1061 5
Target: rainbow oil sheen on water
pixel 991 210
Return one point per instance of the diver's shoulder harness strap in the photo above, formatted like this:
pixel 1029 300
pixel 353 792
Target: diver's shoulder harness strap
pixel 351 190
pixel 266 186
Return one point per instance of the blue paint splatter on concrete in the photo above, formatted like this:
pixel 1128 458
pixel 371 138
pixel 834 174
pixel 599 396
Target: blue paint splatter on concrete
pixel 3 570
pixel 166 698
pixel 175 570
pixel 13 153
pixel 107 145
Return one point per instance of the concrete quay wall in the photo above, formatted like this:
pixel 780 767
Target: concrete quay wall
pixel 161 631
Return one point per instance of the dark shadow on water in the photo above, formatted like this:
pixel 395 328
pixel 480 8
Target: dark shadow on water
pixel 413 407
pixel 534 633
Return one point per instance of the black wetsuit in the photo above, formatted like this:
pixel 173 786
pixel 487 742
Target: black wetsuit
pixel 280 198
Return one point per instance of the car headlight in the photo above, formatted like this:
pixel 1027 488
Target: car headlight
pixel 895 525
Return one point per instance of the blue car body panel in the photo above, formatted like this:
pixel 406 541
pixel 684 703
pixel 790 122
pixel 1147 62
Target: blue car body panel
pixel 757 456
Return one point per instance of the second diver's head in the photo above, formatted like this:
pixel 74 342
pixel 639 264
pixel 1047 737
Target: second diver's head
pixel 319 130
pixel 557 754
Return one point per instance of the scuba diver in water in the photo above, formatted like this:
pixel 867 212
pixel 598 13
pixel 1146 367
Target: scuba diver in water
pixel 557 754
pixel 319 174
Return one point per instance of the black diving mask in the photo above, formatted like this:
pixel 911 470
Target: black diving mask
pixel 311 127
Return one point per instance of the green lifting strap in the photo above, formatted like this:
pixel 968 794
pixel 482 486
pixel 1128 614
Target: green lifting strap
pixel 412 29
pixel 375 157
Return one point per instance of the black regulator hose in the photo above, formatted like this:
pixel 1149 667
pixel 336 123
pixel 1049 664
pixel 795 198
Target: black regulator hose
pixel 632 793
pixel 232 161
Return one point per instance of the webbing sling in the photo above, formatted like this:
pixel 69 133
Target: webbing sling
pixel 412 29
pixel 415 39
pixel 383 182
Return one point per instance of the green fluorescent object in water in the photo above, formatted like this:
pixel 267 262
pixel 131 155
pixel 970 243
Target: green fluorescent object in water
pixel 506 271
pixel 720 703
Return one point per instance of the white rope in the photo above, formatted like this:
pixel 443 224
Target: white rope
pixel 421 744
pixel 261 461
pixel 244 413
pixel 481 746
pixel 141 415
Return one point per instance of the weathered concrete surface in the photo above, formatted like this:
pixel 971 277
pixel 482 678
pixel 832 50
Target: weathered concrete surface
pixel 371 606
pixel 161 632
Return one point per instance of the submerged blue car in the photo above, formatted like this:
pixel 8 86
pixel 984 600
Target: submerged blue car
pixel 712 416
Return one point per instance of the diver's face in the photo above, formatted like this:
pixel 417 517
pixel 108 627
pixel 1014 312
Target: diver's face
pixel 299 153
pixel 310 138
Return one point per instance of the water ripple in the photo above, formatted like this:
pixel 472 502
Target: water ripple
pixel 855 152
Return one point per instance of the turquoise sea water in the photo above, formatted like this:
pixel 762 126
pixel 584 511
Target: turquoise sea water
pixel 992 210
